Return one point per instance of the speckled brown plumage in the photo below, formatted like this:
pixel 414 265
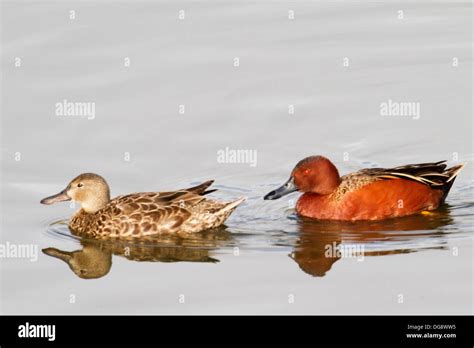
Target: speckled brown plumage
pixel 141 215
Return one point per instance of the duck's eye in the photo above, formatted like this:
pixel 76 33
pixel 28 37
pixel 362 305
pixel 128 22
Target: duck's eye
pixel 80 185
pixel 306 171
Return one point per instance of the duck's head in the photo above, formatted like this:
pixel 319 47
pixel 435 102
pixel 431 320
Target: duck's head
pixel 314 174
pixel 89 190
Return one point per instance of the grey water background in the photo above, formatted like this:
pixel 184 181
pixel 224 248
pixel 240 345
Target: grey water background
pixel 422 265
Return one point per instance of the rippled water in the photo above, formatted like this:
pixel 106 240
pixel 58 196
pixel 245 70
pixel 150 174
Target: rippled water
pixel 266 259
pixel 261 226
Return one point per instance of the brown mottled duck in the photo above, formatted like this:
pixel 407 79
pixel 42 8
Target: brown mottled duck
pixel 141 215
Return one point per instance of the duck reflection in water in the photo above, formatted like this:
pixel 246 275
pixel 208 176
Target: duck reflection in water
pixel 321 243
pixel 94 259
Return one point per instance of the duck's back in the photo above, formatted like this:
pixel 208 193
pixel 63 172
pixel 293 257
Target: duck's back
pixel 143 215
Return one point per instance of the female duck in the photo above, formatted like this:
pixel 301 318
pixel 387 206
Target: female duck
pixel 369 194
pixel 140 215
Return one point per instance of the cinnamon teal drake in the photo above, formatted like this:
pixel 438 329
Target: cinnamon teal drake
pixel 368 194
pixel 140 215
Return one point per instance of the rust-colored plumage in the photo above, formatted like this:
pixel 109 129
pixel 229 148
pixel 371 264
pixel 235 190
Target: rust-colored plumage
pixel 369 194
pixel 141 215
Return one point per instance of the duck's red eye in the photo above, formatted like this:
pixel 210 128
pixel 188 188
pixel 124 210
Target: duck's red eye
pixel 306 171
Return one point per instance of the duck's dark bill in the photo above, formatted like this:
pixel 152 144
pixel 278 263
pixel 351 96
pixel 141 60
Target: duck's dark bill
pixel 288 187
pixel 60 197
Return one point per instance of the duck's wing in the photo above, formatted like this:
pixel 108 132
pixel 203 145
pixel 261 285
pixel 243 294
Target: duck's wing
pixel 149 200
pixel 201 189
pixel 169 197
pixel 432 174
pixel 150 213
pixel 147 213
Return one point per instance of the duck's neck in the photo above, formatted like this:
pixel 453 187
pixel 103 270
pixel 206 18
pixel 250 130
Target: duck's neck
pixel 96 203
pixel 329 179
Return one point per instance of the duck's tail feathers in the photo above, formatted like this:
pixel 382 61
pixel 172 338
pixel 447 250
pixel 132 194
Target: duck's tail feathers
pixel 201 188
pixel 452 174
pixel 454 171
pixel 225 210
pixel 229 207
